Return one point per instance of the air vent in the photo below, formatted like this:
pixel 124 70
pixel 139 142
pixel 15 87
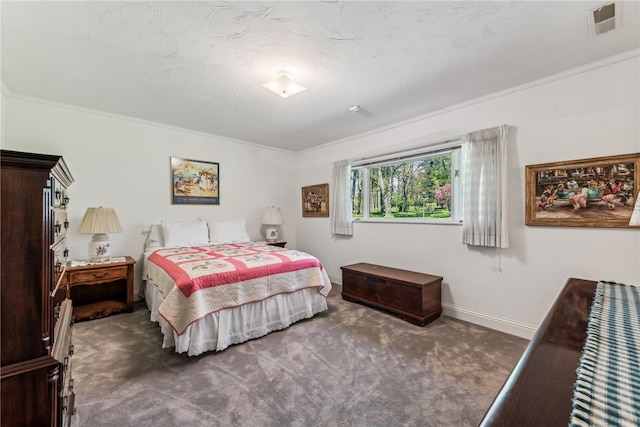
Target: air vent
pixel 604 18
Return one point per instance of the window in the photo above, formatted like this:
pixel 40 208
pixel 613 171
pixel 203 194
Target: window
pixel 418 187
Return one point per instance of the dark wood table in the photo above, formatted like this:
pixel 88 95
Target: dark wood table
pixel 539 390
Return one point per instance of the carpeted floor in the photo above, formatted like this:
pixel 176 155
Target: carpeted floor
pixel 349 366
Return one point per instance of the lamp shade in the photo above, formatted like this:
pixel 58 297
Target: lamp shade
pixel 100 220
pixel 635 215
pixel 272 216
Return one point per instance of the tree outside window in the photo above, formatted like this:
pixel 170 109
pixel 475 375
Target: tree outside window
pixel 412 189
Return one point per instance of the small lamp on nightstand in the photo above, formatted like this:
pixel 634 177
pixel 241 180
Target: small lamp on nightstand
pixel 100 221
pixel 272 217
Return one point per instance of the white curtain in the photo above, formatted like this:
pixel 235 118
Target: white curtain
pixel 484 165
pixel 341 206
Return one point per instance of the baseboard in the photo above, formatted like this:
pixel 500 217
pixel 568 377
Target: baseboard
pixel 492 322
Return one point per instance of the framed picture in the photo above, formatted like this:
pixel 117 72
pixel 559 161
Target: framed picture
pixel 194 182
pixel 596 192
pixel 315 200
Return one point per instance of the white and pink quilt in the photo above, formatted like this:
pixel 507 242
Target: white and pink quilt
pixel 198 280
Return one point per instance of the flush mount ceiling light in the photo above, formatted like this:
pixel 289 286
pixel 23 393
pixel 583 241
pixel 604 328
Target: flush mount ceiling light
pixel 284 85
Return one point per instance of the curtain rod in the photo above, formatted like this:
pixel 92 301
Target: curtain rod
pixel 405 154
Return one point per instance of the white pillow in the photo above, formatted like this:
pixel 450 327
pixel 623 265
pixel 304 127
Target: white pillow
pixel 185 233
pixel 221 231
pixel 154 238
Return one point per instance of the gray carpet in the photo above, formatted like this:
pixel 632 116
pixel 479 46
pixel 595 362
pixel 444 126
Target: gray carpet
pixel 349 366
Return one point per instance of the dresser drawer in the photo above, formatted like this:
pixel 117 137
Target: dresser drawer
pixel 60 223
pixel 60 254
pixel 98 275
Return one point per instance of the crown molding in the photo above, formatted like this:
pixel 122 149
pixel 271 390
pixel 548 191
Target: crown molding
pixel 140 121
pixel 611 60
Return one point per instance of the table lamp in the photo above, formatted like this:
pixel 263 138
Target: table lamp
pixel 99 222
pixel 272 217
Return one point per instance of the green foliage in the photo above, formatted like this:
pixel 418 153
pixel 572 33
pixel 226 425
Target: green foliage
pixel 430 211
pixel 404 189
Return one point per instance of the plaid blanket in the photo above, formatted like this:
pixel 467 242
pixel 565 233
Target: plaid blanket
pixel 607 390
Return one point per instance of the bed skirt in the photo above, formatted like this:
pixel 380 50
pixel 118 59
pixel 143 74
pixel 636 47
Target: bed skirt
pixel 220 329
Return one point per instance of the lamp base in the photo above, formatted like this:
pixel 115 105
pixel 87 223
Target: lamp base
pixel 271 234
pixel 100 246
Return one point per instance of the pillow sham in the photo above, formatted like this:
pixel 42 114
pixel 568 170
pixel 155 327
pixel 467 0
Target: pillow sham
pixel 154 238
pixel 185 233
pixel 228 231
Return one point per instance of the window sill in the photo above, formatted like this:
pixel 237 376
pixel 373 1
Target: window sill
pixel 408 221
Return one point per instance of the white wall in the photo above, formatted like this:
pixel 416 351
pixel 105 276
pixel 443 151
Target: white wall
pixel 590 113
pixel 124 164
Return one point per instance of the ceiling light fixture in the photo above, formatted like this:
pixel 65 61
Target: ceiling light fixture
pixel 354 108
pixel 284 85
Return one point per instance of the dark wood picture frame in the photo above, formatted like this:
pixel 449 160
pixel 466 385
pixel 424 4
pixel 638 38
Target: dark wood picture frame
pixel 194 182
pixel 594 192
pixel 315 200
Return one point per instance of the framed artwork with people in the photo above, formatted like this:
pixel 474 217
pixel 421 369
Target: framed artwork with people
pixel 315 200
pixel 194 182
pixel 595 192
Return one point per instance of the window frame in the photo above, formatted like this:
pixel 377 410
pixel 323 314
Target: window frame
pixel 452 147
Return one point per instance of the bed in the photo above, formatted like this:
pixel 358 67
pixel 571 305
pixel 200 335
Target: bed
pixel 209 286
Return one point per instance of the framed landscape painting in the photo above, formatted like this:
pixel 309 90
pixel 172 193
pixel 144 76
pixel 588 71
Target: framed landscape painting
pixel 194 182
pixel 315 200
pixel 595 192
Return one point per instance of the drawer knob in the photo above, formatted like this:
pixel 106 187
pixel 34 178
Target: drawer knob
pixel 99 275
pixel 46 340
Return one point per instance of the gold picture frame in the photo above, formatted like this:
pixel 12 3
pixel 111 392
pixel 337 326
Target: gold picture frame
pixel 315 200
pixel 594 192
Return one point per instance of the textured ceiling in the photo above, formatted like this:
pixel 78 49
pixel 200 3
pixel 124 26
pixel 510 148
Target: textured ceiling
pixel 200 65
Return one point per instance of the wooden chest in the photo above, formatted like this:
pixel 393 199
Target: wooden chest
pixel 415 297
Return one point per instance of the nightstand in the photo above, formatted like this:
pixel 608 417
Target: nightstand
pixel 278 243
pixel 98 290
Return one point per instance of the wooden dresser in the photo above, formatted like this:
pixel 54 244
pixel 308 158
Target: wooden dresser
pixel 415 297
pixel 35 370
pixel 539 390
